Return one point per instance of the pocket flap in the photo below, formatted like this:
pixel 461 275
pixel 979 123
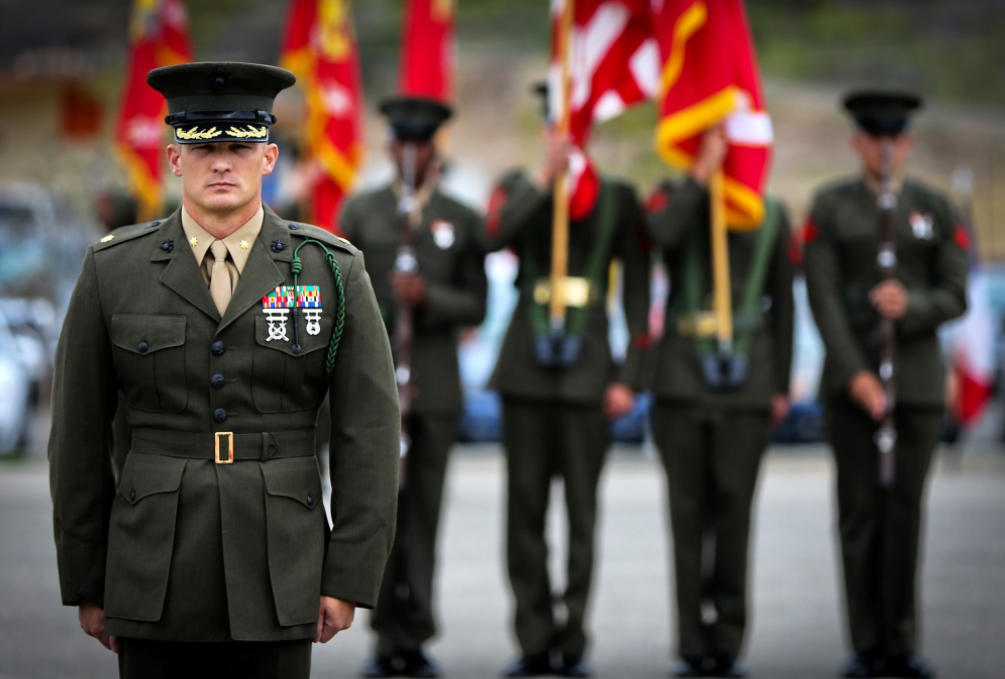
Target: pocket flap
pixel 145 475
pixel 300 482
pixel 147 333
pixel 308 342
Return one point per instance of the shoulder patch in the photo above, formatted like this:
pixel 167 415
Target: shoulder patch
pixel 325 236
pixel 126 233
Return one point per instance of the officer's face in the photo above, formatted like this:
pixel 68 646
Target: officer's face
pixel 224 176
pixel 425 154
pixel 870 150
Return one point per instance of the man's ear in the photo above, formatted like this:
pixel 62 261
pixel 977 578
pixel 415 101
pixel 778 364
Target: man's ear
pixel 271 156
pixel 174 158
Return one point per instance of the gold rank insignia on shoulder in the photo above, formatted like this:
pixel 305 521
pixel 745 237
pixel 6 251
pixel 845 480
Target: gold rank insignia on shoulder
pixel 193 241
pixel 244 245
pixel 108 238
pixel 343 240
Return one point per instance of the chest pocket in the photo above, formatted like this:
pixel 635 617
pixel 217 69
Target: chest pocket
pixel 283 379
pixel 150 360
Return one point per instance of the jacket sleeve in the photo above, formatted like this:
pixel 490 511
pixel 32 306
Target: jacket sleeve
pixel 823 285
pixel 636 263
pixel 673 214
pixel 84 398
pixel 513 206
pixel 782 316
pixel 363 449
pixel 464 302
pixel 946 298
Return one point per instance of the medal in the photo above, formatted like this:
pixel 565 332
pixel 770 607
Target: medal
pixel 277 304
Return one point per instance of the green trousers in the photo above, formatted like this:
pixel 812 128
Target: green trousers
pixel 711 458
pixel 545 439
pixel 880 528
pixel 404 618
pixel 142 659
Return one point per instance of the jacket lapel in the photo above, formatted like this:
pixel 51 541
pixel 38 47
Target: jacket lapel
pixel 182 273
pixel 261 275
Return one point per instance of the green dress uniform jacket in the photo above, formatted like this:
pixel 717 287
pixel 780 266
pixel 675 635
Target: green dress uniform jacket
pixel 520 212
pixel 184 548
pixel 880 528
pixel 676 214
pixel 842 240
pixel 450 259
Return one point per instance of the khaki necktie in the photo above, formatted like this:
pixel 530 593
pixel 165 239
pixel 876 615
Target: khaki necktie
pixel 219 276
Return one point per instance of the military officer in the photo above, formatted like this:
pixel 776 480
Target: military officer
pixel 224 326
pixel 880 527
pixel 558 394
pixel 713 413
pixel 445 293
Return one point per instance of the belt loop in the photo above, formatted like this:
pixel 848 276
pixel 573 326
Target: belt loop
pixel 269 446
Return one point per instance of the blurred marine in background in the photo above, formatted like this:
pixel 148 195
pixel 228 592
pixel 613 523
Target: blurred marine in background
pixel 880 519
pixel 224 327
pixel 425 258
pixel 557 404
pixel 712 421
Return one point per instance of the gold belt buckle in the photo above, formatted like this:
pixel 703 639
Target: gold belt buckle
pixel 230 447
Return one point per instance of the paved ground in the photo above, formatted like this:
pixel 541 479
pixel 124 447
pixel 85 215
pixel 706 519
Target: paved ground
pixel 797 627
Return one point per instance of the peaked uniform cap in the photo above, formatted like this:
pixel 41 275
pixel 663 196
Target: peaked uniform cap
pixel 220 100
pixel 882 113
pixel 415 118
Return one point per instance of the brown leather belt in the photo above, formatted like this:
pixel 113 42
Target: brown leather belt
pixel 223 447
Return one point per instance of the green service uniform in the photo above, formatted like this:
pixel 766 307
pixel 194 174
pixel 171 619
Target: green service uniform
pixel 450 259
pixel 553 422
pixel 711 439
pixel 186 547
pixel 880 528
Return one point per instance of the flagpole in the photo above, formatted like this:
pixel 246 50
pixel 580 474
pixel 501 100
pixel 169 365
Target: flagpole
pixel 560 215
pixel 723 302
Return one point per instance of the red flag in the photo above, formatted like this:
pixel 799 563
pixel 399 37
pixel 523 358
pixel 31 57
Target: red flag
pixel 613 64
pixel 710 75
pixel 158 36
pixel 320 48
pixel 427 56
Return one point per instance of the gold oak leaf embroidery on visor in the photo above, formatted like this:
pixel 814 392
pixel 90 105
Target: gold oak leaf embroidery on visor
pixel 250 132
pixel 211 133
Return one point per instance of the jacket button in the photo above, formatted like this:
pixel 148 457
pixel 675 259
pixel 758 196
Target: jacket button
pixel 132 495
pixel 294 226
pixel 220 415
pixel 219 348
pixel 218 381
pixel 310 499
pixel 143 346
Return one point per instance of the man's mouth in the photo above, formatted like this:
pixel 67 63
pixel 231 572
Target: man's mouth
pixel 221 185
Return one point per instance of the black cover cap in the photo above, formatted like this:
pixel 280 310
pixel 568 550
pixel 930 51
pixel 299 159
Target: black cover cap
pixel 220 100
pixel 540 90
pixel 882 113
pixel 414 118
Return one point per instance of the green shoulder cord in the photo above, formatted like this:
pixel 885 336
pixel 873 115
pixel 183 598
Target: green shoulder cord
pixel 578 316
pixel 746 317
pixel 296 266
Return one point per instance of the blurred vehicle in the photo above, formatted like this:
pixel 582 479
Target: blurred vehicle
pixel 43 243
pixel 31 323
pixel 17 413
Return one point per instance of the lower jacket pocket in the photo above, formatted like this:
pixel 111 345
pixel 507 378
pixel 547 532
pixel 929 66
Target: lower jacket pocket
pixel 141 537
pixel 296 536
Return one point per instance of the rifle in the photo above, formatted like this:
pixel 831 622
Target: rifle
pixel 886 260
pixel 404 334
